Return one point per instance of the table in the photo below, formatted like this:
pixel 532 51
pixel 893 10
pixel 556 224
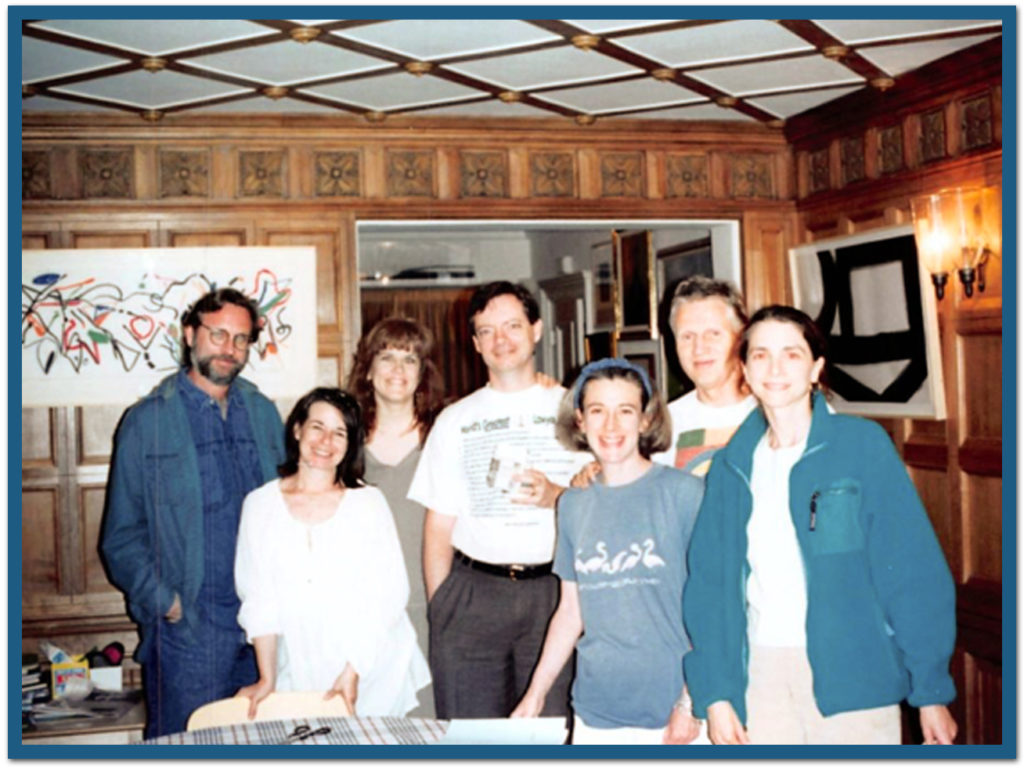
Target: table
pixel 354 730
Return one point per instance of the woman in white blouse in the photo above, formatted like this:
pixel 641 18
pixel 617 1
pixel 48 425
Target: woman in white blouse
pixel 320 574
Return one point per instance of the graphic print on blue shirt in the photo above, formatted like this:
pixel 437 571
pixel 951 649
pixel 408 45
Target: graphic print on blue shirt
pixel 627 559
pixel 625 548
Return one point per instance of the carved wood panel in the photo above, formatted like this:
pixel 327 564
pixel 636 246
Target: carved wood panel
pixel 40 548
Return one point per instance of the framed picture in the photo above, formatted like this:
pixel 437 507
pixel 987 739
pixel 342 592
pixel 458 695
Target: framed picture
pixel 636 302
pixel 877 310
pixel 645 353
pixel 602 287
pixel 600 344
pixel 103 326
pixel 674 264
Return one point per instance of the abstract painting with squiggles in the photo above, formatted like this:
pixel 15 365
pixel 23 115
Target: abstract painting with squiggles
pixel 104 325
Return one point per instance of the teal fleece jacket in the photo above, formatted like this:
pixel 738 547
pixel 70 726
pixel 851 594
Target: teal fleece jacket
pixel 881 619
pixel 152 539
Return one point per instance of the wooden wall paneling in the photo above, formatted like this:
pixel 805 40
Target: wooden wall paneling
pixel 90 501
pixel 38 441
pixel 104 233
pixel 981 412
pixel 982 526
pixel 942 511
pixel 984 687
pixel 767 238
pixel 978 658
pixel 94 443
pixel 205 234
pixel 40 237
pixel 588 173
pixel 40 545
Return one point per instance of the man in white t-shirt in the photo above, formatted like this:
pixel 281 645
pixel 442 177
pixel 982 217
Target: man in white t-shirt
pixel 706 318
pixel 489 477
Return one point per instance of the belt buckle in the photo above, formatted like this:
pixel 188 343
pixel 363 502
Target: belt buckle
pixel 513 568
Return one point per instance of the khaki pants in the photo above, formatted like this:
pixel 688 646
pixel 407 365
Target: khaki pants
pixel 781 708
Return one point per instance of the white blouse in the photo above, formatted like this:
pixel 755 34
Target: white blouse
pixel 333 592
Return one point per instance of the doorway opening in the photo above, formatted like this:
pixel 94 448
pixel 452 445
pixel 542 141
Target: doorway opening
pixel 592 279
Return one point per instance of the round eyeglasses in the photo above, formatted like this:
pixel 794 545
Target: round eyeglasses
pixel 220 336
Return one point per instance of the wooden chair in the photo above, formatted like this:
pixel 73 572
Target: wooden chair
pixel 277 705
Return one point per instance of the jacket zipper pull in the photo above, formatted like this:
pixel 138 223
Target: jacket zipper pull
pixel 814 507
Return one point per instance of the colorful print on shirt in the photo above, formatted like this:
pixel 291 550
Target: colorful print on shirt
pixel 695 448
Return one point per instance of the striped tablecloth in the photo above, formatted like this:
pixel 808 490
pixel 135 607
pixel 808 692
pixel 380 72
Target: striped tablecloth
pixel 357 730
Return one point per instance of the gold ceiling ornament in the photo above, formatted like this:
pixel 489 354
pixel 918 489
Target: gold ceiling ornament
pixel 275 91
pixel 374 116
pixel 28 91
pixel 304 34
pixel 152 115
pixel 418 68
pixel 585 42
pixel 663 73
pixel 510 97
pixel 882 83
pixel 835 52
pixel 153 64
pixel 584 119
pixel 726 101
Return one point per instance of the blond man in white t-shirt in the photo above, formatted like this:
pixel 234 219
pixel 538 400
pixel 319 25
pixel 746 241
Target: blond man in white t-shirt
pixel 706 318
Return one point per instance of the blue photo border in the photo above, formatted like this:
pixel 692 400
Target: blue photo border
pixel 1006 13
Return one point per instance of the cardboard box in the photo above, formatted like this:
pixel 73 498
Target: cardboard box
pixel 71 676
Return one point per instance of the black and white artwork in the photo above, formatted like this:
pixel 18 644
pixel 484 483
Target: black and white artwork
pixel 876 306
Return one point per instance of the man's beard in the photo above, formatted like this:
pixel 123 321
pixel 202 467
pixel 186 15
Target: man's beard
pixel 203 366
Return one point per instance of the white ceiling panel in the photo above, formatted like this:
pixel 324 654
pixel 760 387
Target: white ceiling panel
pixel 262 104
pixel 157 36
pixel 604 26
pixel 434 39
pixel 865 30
pixel 529 70
pixel 151 90
pixel 776 75
pixel 904 57
pixel 288 62
pixel 789 104
pixel 717 42
pixel 632 94
pixel 41 60
pixel 46 104
pixel 393 91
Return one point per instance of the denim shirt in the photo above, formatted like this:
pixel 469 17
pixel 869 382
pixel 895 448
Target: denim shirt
pixel 153 539
pixel 229 468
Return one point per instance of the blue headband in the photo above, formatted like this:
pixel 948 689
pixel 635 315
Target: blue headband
pixel 591 370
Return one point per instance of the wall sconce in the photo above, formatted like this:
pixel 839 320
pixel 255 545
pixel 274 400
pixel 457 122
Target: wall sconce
pixel 958 229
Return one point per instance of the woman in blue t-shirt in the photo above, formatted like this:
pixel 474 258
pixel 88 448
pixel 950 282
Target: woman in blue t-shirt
pixel 621 556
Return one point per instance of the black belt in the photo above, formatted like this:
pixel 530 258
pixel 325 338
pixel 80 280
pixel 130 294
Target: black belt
pixel 512 571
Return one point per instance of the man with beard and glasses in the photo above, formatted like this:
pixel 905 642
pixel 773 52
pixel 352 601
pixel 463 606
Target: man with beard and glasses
pixel 185 456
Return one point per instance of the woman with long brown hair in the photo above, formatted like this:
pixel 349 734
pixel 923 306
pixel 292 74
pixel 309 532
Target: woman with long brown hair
pixel 400 391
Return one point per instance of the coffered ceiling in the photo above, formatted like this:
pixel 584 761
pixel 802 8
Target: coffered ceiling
pixel 740 70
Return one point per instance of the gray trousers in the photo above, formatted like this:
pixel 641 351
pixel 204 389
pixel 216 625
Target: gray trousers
pixel 486 634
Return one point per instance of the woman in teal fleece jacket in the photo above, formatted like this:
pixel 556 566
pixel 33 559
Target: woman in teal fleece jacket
pixel 875 620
